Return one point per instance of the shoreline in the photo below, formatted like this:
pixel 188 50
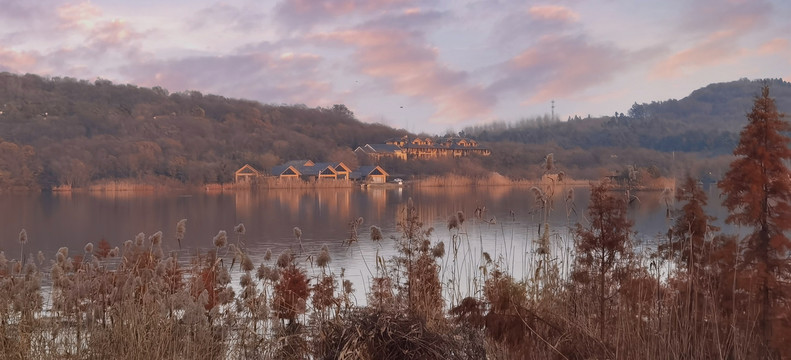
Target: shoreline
pixel 123 186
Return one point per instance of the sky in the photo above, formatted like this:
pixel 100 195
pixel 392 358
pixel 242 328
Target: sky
pixel 423 65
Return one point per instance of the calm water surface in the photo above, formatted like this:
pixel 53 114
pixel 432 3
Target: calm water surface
pixel 506 228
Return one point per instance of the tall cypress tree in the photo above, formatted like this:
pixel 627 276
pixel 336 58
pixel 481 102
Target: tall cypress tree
pixel 603 247
pixel 757 191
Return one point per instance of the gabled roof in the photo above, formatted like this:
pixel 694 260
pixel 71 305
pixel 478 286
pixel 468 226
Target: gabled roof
pixel 341 167
pixel 384 148
pixel 298 163
pixel 247 170
pixel 309 168
pixel 285 169
pixel 315 169
pixel 329 170
pixel 365 149
pixel 364 171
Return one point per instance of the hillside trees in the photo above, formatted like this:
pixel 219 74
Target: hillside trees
pixel 19 165
pixel 757 191
pixel 76 132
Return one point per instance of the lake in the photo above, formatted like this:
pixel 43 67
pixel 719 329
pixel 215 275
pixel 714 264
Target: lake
pixel 506 228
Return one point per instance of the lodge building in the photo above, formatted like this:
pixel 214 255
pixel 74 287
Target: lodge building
pixel 423 148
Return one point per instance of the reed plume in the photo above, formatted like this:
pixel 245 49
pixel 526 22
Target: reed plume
pixel 139 239
pixel 324 257
pixel 246 263
pixel 156 239
pixel 376 233
pixel 453 222
pixel 298 235
pixel 239 229
pixel 221 239
pixel 181 229
pixel 285 259
pixel 22 242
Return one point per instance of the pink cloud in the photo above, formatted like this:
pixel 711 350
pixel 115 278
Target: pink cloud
pixel 774 46
pixel 86 21
pixel 717 28
pixel 242 18
pixel 716 49
pixel 303 14
pixel 561 66
pixel 408 66
pixel 16 61
pixel 115 32
pixel 289 78
pixel 739 16
pixel 82 15
pixel 29 13
pixel 553 13
pixel 525 25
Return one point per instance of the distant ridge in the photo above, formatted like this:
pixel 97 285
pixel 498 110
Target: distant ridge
pixel 707 121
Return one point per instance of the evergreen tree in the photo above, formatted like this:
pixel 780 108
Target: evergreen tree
pixel 688 236
pixel 757 191
pixel 603 247
pixel 689 247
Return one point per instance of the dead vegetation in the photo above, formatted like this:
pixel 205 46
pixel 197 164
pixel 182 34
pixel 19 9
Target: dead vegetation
pixel 136 302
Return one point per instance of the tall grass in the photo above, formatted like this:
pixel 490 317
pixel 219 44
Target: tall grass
pixel 442 296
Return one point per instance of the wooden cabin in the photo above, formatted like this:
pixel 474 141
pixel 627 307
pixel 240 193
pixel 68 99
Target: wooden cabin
pixel 370 174
pixel 246 173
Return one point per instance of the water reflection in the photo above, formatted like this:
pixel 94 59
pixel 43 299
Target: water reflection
pixel 505 228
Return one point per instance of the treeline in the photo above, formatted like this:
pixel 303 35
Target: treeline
pixel 65 131
pixel 707 121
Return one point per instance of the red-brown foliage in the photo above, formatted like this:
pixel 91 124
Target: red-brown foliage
pixel 603 246
pixel 757 190
pixel 291 293
pixel 102 249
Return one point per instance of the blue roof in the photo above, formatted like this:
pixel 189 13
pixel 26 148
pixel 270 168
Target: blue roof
pixel 364 171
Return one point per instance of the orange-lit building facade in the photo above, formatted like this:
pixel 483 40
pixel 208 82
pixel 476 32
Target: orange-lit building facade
pixel 423 148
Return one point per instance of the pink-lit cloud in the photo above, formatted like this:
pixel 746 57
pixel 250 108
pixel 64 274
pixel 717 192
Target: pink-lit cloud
pixel 113 33
pixel 560 67
pixel 708 16
pixel 406 65
pixel 285 78
pixel 774 46
pixel 81 15
pixel 714 50
pixel 553 13
pixel 30 13
pixel 229 16
pixel 716 28
pixel 304 14
pixel 526 24
pixel 15 61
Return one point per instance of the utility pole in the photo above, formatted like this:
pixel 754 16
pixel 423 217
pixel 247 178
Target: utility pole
pixel 553 110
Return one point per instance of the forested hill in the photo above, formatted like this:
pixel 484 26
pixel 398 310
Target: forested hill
pixel 67 131
pixel 56 131
pixel 707 121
